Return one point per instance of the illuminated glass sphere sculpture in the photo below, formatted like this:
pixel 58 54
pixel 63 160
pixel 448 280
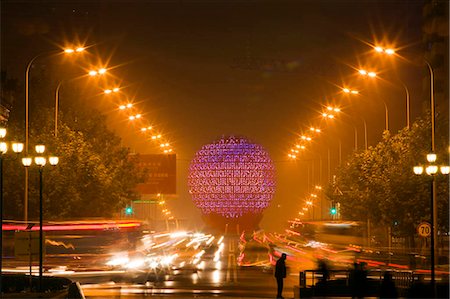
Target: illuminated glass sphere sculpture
pixel 232 178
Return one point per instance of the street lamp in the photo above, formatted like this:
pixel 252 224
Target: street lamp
pixel 432 170
pixel 40 161
pixel 17 148
pixel 390 52
pixel 58 87
pixel 68 51
pixel 373 75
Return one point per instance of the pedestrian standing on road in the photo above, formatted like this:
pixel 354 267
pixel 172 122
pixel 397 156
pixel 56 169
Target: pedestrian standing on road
pixel 280 274
pixel 387 288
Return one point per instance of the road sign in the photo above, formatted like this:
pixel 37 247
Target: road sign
pixel 26 243
pixel 424 229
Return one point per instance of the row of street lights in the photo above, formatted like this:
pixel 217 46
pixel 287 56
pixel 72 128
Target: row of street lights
pixel 432 169
pixel 133 114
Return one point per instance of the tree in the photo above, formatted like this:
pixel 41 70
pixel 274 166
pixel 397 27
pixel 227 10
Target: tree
pixel 95 176
pixel 379 184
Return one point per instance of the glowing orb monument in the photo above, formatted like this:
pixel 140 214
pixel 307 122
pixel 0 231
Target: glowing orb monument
pixel 232 181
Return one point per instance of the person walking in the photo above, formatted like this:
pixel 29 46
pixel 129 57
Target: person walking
pixel 280 274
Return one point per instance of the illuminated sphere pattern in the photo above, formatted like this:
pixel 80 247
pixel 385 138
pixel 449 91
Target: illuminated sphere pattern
pixel 231 177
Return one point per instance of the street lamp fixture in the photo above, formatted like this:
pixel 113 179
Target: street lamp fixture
pixel 94 73
pixel 333 109
pixel 40 148
pixel 16 148
pixel 40 161
pixel 145 129
pixel 108 91
pixel 133 117
pixel 350 91
pixel 125 106
pixel 307 138
pixel 432 170
pixel 74 50
pixel 387 51
pixel 367 73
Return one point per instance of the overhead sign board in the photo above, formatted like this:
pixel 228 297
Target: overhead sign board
pixel 161 174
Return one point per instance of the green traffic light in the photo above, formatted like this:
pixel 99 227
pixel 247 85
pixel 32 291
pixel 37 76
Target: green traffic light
pixel 333 211
pixel 128 210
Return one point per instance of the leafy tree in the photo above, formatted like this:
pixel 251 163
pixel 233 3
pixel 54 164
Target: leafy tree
pixel 95 176
pixel 379 184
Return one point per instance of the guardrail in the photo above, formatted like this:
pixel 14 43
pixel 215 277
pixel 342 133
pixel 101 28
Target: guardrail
pixel 311 281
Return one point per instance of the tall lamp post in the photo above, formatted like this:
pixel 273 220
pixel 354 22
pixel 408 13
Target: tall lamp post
pixel 386 110
pixel 40 161
pixel 17 148
pixel 432 170
pixel 67 51
pixel 91 73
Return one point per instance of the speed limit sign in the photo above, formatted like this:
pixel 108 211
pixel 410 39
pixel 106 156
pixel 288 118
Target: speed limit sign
pixel 424 229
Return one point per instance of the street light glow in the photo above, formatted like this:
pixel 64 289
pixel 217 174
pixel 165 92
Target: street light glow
pixel 418 170
pixel 146 128
pixel 26 161
pixel 17 147
pixel 72 50
pixel 2 132
pixel 379 49
pixel 431 158
pixel 40 161
pixel 431 169
pixel 387 51
pixel 53 160
pixel 40 148
pixel 445 169
pixel 3 147
pixel 372 74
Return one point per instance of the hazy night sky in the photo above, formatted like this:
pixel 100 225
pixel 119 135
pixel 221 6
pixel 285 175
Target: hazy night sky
pixel 188 64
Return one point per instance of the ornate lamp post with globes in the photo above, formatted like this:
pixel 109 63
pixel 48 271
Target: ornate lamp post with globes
pixel 432 170
pixel 40 161
pixel 16 148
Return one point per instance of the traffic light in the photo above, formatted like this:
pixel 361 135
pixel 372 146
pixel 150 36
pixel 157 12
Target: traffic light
pixel 128 210
pixel 333 210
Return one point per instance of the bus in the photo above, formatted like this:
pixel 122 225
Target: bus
pixel 339 233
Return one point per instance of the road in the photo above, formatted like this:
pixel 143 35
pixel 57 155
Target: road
pixel 185 264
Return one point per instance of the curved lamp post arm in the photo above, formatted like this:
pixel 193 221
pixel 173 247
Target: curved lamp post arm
pixel 430 69
pixel 408 106
pixel 57 107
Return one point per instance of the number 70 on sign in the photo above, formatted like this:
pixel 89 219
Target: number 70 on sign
pixel 424 229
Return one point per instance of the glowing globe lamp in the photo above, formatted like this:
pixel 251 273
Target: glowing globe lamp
pixel 232 178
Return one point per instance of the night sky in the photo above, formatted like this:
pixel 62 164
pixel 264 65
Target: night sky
pixel 262 69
